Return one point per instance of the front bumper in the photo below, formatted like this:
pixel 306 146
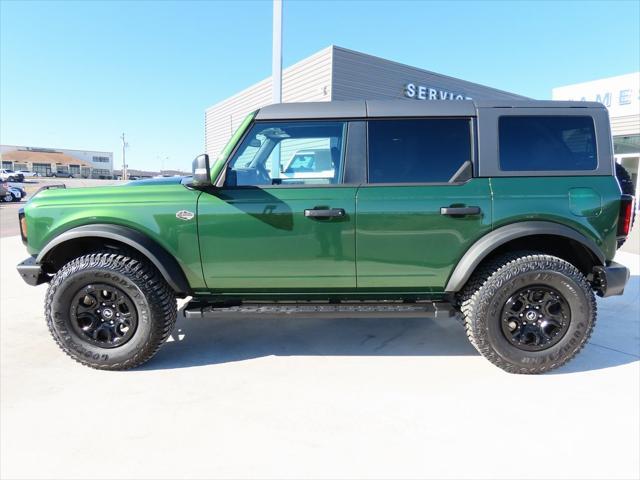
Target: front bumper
pixel 31 272
pixel 610 280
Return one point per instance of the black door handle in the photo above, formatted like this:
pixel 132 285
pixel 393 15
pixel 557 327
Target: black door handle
pixel 454 211
pixel 324 212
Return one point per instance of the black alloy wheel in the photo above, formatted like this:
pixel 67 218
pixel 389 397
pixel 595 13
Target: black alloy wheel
pixel 535 318
pixel 104 315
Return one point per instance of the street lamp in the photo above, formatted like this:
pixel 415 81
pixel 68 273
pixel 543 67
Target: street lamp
pixel 276 74
pixel 124 164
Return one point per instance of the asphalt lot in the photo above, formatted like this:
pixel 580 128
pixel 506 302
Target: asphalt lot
pixel 315 398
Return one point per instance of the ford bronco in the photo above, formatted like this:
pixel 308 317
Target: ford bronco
pixel 505 214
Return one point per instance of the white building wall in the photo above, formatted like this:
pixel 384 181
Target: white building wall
pixel 620 94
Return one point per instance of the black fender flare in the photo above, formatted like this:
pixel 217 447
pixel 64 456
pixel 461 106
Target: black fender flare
pixel 166 264
pixel 494 239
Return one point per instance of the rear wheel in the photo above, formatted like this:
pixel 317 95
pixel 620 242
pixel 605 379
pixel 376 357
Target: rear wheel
pixel 528 312
pixel 109 311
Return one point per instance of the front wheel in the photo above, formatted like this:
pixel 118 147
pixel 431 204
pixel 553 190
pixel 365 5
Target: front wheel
pixel 109 311
pixel 528 312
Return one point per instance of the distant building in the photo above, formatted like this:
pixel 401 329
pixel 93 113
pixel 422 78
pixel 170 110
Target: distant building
pixel 336 73
pixel 621 96
pixel 58 161
pixel 137 174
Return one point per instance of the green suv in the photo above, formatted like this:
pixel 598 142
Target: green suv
pixel 506 214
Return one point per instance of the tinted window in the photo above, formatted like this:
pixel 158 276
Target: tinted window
pixel 283 153
pixel 547 143
pixel 417 151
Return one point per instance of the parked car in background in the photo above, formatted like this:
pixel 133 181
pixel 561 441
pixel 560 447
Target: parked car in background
pixel 5 195
pixel 7 175
pixel 312 164
pixel 27 173
pixel 17 193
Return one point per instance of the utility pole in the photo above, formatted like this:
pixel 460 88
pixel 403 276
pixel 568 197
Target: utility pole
pixel 124 163
pixel 276 66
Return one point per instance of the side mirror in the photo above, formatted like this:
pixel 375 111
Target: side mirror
pixel 201 171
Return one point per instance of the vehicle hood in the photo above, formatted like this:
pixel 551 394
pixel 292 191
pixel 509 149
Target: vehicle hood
pixel 132 191
pixel 156 181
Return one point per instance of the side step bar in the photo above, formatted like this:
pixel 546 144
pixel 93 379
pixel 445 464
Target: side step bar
pixel 196 309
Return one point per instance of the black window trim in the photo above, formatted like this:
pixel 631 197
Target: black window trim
pixel 473 125
pixel 219 183
pixel 542 172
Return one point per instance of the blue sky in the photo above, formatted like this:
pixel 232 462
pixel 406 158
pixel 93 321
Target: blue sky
pixel 77 74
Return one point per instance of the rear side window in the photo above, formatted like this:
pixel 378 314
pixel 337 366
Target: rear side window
pixel 418 151
pixel 544 143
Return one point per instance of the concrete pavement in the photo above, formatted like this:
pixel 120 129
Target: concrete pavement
pixel 305 398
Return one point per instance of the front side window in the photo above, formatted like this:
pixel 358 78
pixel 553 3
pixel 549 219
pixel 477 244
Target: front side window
pixel 547 143
pixel 418 150
pixel 289 153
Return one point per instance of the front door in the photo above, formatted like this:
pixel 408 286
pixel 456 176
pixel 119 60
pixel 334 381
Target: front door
pixel 421 208
pixel 283 221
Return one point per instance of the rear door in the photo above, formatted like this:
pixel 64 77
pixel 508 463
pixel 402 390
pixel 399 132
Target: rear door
pixel 421 208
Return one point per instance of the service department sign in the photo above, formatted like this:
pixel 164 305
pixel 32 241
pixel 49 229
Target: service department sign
pixel 422 92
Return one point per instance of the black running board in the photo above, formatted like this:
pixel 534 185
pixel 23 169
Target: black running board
pixel 196 309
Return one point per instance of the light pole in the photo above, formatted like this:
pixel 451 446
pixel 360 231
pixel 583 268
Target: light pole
pixel 276 75
pixel 276 66
pixel 124 163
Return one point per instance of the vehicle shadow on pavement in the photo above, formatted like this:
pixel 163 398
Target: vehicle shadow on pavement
pixel 201 342
pixel 197 342
pixel 213 341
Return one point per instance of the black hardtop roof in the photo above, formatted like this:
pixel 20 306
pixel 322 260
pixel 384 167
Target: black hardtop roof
pixel 402 108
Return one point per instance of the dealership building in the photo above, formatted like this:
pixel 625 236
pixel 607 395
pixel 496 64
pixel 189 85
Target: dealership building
pixel 336 73
pixel 621 95
pixel 58 161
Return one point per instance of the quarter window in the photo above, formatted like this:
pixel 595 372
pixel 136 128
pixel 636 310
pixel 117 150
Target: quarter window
pixel 547 143
pixel 289 153
pixel 418 151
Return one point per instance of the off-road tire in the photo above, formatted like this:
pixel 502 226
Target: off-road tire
pixel 154 301
pixel 482 299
